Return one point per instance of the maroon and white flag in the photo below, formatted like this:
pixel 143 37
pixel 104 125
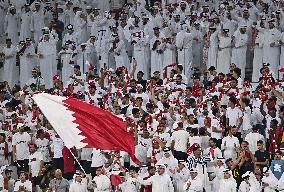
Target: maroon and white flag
pixel 83 125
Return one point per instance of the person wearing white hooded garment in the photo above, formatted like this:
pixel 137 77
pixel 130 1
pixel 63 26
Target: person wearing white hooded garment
pixel 269 181
pixel 71 35
pixel 4 4
pixel 27 61
pixel 102 5
pixel 18 4
pixel 120 56
pixel 228 183
pixel 82 57
pixel 282 51
pixel 218 173
pixel 271 49
pixel 213 48
pixel 12 24
pixel 161 182
pixel 240 42
pixel 10 68
pixel 140 52
pixel 184 48
pixel 65 56
pixel 181 176
pixel 280 184
pixel 194 183
pixel 100 29
pixel 224 53
pixel 80 27
pixel 101 182
pixel 47 58
pixel 77 185
pixel 169 53
pixel 169 160
pixel 258 53
pixel 248 184
pixel 37 22
pixel 25 31
pixel 157 51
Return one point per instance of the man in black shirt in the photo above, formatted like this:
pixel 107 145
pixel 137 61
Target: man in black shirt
pixel 140 79
pixel 261 155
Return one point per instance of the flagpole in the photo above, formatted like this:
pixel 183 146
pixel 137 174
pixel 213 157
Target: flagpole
pixel 77 160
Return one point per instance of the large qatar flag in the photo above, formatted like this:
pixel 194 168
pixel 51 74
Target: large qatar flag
pixel 82 125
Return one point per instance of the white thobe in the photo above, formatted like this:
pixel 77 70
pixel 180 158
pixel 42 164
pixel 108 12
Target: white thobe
pixel 78 187
pixel 179 178
pixel 195 186
pixel 10 69
pixel 271 55
pixel 141 148
pixel 169 55
pixel 140 53
pixel 12 27
pixel 80 27
pixel 97 25
pixel 132 185
pixel 224 55
pixel 156 58
pixel 103 45
pixel 82 58
pixel 244 187
pixel 213 50
pixel 230 24
pixel 102 5
pixel 67 68
pixel 184 47
pixel 160 183
pixel 103 183
pixel 68 17
pixel 218 171
pixel 171 163
pixel 282 52
pixel 228 185
pixel 25 31
pixel 197 45
pixel 48 62
pixel 18 4
pixel 258 57
pixel 120 55
pixel 239 51
pixel 37 23
pixel 280 183
pixel 3 9
pixel 93 54
pixel 70 37
pixel 27 63
pixel 272 182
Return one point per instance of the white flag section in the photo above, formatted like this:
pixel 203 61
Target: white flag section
pixel 61 119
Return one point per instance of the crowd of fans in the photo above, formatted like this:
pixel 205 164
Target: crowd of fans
pixel 178 72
